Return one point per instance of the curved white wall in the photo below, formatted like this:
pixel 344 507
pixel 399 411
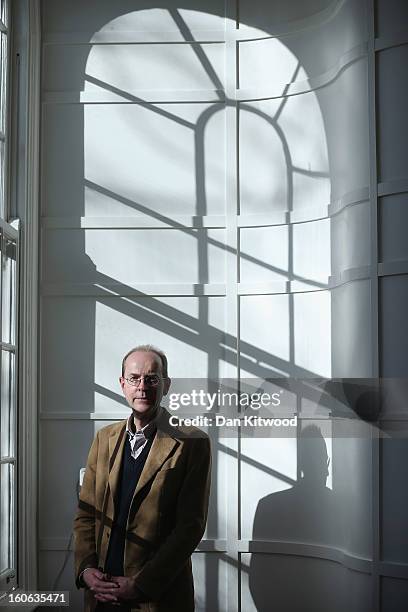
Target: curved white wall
pixel 208 186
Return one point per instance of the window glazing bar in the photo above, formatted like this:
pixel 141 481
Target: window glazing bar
pixel 5 346
pixel 8 230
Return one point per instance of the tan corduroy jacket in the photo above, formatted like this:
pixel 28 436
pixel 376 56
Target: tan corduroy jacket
pixel 167 515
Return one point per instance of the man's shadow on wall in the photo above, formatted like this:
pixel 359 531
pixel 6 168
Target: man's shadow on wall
pixel 304 514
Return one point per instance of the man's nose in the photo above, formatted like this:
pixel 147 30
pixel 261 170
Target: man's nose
pixel 142 383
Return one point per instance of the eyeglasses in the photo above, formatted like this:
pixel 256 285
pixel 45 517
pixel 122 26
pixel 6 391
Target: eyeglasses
pixel 150 380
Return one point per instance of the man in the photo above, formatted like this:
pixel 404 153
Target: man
pixel 144 500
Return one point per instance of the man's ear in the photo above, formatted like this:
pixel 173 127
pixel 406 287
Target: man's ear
pixel 122 382
pixel 167 383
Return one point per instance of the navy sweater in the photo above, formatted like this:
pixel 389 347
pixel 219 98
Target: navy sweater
pixel 131 470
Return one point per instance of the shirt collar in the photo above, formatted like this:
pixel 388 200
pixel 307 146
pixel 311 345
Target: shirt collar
pixel 147 431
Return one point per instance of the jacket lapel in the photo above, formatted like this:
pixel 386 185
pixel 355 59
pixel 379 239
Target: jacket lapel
pixel 116 444
pixel 162 446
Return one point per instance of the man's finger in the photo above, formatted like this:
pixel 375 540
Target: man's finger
pixel 105 597
pixel 98 574
pixel 105 586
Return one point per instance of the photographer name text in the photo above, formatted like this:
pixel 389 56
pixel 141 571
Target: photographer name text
pixel 219 420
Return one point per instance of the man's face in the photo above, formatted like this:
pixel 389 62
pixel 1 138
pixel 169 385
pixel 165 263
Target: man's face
pixel 145 398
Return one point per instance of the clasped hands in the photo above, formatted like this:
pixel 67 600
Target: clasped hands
pixel 112 589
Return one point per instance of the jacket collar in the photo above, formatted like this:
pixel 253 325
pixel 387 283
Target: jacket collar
pixel 163 444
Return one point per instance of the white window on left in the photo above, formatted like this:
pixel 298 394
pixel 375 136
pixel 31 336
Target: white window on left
pixel 9 247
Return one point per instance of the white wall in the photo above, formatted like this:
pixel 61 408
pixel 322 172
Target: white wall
pixel 213 199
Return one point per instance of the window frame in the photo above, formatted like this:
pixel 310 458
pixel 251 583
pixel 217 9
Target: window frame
pixel 24 168
pixel 23 202
pixel 8 577
pixel 9 283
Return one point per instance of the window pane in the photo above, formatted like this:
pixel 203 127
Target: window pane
pixel 8 416
pixel 3 81
pixel 2 182
pixel 6 516
pixel 8 331
pixel 4 12
pixel 3 121
pixel 1 259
